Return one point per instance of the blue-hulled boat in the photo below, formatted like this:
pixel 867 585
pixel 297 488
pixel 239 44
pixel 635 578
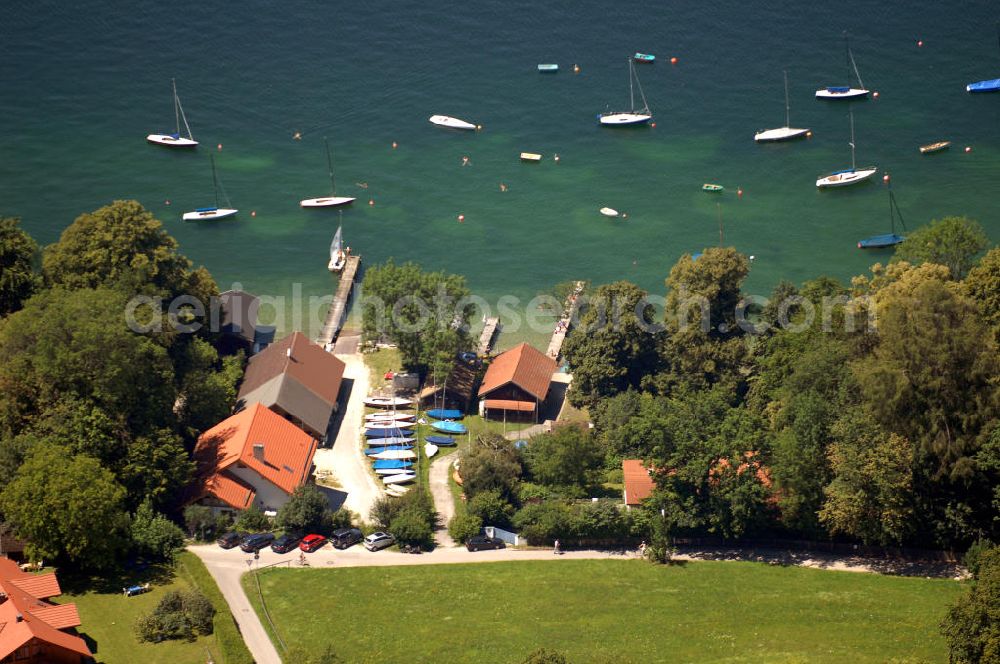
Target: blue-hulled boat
pixel 984 86
pixel 441 441
pixel 644 57
pixel 449 427
pixel 886 239
pixel 390 464
pixel 372 451
pixel 385 442
pixel 445 414
pixel 395 432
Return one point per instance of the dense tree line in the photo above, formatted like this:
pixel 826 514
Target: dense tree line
pixel 868 411
pixel 97 421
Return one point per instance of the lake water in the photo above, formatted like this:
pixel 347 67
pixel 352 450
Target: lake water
pixel 84 82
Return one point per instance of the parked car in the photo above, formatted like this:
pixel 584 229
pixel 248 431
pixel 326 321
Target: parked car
pixel 286 543
pixel 256 542
pixel 346 537
pixel 310 543
pixel 229 540
pixel 480 542
pixel 379 540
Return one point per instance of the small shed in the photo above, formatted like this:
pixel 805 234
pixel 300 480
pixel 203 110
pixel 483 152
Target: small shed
pixel 639 483
pixel 456 391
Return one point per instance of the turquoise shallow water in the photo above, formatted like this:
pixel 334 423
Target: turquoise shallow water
pixel 83 83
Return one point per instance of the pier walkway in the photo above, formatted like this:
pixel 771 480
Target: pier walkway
pixel 338 308
pixel 491 328
pixel 562 327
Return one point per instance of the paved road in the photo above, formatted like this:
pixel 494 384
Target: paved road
pixel 345 461
pixel 444 502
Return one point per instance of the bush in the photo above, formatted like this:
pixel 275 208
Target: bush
pixel 412 527
pixel 252 520
pixel 385 509
pixel 493 463
pixel 464 526
pixel 155 535
pixel 545 656
pixel 308 511
pixel 973 555
pixel 543 523
pixel 972 626
pixel 179 615
pixel 491 508
pixel 200 522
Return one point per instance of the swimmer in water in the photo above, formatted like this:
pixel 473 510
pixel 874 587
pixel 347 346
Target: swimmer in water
pixel 297 136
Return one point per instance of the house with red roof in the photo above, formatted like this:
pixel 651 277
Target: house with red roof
pixel 296 379
pixel 255 457
pixel 516 382
pixel 639 483
pixel 32 629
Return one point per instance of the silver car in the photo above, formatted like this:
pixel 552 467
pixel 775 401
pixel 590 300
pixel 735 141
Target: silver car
pixel 379 540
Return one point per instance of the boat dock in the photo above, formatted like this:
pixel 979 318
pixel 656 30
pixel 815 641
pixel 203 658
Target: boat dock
pixel 562 327
pixel 338 308
pixel 491 327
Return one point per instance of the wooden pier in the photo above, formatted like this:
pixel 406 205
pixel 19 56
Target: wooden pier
pixel 491 328
pixel 337 313
pixel 562 327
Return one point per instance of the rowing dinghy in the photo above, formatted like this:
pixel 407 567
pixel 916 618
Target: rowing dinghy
pixel 715 188
pixel 935 147
pixel 609 212
pixel 648 58
pixel 452 123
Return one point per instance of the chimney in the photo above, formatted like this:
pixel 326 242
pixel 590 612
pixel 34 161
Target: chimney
pixel 19 618
pixel 258 451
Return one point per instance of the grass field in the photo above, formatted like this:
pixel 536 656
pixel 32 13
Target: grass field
pixel 108 616
pixel 609 611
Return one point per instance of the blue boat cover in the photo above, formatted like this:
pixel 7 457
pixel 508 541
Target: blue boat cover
pixel 449 427
pixel 984 86
pixel 378 450
pixel 211 209
pixel 391 464
pixel 837 88
pixel 445 414
pixel 846 170
pixel 389 433
pixel 441 440
pixel 175 136
pixel 879 241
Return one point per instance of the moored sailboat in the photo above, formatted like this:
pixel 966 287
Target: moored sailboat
pixel 633 116
pixel 848 176
pixel 781 133
pixel 333 200
pixel 891 238
pixel 338 257
pixel 845 91
pixel 212 213
pixel 175 140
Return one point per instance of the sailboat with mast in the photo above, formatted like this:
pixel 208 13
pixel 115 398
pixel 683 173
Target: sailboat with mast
pixel 852 175
pixel 333 200
pixel 175 140
pixel 845 91
pixel 211 213
pixel 338 257
pixel 781 133
pixel 890 239
pixel 633 116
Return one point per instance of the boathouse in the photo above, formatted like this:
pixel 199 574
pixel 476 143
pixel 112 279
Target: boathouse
pixel 456 391
pixel 255 457
pixel 298 380
pixel 236 317
pixel 639 483
pixel 516 384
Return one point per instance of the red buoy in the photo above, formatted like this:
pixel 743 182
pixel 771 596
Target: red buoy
pixel 739 192
pixel 968 148
pixel 885 178
pixel 219 146
pixel 875 94
pixel 394 145
pixel 673 61
pixel 920 43
pixel 461 218
pixel 253 213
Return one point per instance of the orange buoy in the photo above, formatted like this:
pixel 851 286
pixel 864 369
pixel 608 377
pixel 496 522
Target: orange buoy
pixel 371 202
pixel 461 218
pixel 739 192
pixel 968 148
pixel 394 145
pixel 885 178
pixel 219 146
pixel 809 134
pixel 652 124
pixel 673 61
pixel 576 69
pixel 875 94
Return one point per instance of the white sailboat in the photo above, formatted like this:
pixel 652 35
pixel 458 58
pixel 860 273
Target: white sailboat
pixel 338 257
pixel 452 123
pixel 211 213
pixel 852 175
pixel 175 140
pixel 388 402
pixel 845 91
pixel 633 116
pixel 402 455
pixel 401 478
pixel 333 200
pixel 781 133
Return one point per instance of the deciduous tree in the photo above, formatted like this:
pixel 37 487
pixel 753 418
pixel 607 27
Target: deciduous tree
pixel 951 241
pixel 18 279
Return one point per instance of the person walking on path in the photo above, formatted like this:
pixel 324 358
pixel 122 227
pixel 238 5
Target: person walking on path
pixel 555 549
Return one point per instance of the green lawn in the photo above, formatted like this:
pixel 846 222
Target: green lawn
pixel 108 616
pixel 609 611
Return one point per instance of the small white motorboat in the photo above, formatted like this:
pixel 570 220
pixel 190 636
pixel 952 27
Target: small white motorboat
pixel 609 212
pixel 401 478
pixel 452 123
pixel 430 449
pixel 388 402
pixel 175 140
pixel 402 455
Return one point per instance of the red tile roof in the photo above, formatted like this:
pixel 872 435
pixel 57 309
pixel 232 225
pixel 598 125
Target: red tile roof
pixel 524 366
pixel 288 454
pixel 639 484
pixel 38 585
pixel 25 617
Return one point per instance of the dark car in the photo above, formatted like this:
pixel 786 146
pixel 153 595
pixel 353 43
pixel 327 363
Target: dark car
pixel 286 543
pixel 229 540
pixel 256 542
pixel 346 537
pixel 311 543
pixel 480 542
